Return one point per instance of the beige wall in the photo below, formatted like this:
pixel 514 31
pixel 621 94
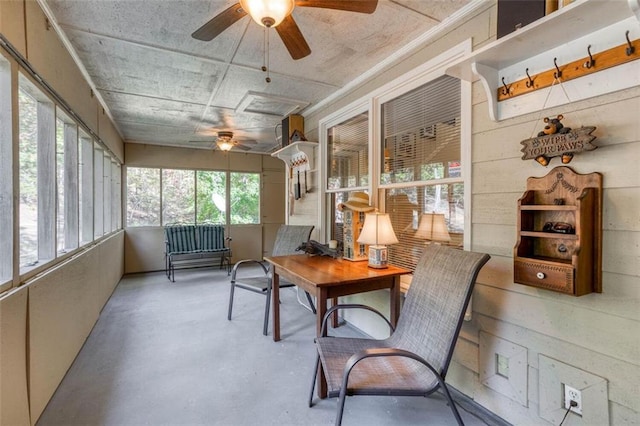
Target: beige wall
pixel 592 337
pixel 44 324
pixel 144 246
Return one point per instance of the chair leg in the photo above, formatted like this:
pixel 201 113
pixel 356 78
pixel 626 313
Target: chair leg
pixel 311 304
pixel 233 287
pixel 452 404
pixel 265 327
pixel 313 381
pixel 341 400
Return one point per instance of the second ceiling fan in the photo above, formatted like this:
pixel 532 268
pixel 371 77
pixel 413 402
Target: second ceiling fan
pixel 277 14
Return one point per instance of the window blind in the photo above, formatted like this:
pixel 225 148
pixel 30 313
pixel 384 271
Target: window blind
pixel 421 145
pixel 348 153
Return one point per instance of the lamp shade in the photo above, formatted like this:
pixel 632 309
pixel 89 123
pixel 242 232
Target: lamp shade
pixel 268 13
pixel 433 227
pixel 377 230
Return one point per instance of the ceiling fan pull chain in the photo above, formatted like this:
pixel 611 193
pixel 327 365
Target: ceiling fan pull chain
pixel 264 49
pixel 268 79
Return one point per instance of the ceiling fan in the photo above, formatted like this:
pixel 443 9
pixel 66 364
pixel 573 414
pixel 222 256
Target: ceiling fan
pixel 277 14
pixel 226 142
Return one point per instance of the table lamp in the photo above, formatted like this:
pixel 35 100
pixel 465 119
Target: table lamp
pixel 376 232
pixel 432 227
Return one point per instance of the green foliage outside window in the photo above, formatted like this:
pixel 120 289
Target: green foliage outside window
pixel 189 196
pixel 245 198
pixel 143 197
pixel 211 200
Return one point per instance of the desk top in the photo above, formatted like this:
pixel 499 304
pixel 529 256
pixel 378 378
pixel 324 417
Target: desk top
pixel 326 271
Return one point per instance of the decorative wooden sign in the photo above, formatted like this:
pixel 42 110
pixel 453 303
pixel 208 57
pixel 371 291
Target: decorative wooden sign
pixel 543 148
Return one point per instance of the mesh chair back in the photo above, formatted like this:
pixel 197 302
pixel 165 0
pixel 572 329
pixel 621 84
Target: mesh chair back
pixel 211 237
pixel 289 238
pixel 436 302
pixel 181 239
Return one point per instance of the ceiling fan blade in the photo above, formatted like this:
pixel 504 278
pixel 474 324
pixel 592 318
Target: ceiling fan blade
pixel 292 38
pixel 361 6
pixel 241 147
pixel 219 23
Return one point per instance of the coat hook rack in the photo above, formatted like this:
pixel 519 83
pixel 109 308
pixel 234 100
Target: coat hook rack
pixel 590 62
pixel 505 91
pixel 558 73
pixel 630 49
pixel 618 55
pixel 529 82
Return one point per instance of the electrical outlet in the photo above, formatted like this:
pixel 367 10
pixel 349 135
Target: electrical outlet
pixel 572 394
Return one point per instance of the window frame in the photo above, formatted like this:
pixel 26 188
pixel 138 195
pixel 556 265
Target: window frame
pixel 373 101
pixel 7 172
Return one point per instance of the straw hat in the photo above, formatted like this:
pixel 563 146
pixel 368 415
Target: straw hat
pixel 358 201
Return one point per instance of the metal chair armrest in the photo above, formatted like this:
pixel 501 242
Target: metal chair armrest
pixel 351 306
pixel 244 263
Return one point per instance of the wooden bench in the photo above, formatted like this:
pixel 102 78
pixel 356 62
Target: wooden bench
pixel 195 245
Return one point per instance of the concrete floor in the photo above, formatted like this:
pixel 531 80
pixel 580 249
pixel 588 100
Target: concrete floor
pixel 164 353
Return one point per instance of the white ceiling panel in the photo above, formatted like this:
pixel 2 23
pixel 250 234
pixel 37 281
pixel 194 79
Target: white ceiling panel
pixel 162 86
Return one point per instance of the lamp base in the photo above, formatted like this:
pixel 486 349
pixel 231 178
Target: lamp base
pixel 378 258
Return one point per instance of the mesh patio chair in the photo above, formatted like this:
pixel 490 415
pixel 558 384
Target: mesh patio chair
pixel 288 238
pixel 414 360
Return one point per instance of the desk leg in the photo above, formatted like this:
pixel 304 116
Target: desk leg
pixel 394 300
pixel 321 297
pixel 275 297
pixel 334 317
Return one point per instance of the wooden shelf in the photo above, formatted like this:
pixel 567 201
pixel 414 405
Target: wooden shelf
pixel 567 263
pixel 298 155
pixel 550 207
pixel 555 235
pixel 565 35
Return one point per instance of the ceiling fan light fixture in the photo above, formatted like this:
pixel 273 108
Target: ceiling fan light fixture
pixel 224 145
pixel 268 13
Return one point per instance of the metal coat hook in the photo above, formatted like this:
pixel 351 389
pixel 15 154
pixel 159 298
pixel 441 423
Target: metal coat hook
pixel 591 62
pixel 530 82
pixel 506 90
pixel 630 49
pixel 558 73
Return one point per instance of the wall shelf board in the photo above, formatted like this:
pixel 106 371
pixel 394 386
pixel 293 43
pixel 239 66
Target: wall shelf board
pixel 297 150
pixel 564 35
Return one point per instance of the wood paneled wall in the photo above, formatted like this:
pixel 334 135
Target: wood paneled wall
pixel 592 335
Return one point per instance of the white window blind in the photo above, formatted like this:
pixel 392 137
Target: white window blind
pixel 348 153
pixel 420 149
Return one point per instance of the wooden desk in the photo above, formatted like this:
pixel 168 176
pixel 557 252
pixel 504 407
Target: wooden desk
pixel 329 278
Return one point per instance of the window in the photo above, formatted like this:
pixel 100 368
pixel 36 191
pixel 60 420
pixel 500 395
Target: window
pixel 347 153
pixel 36 158
pixel 347 165
pixel 86 189
pixel 178 196
pixel 6 177
pixel 244 198
pixel 106 185
pixel 116 197
pixel 211 201
pixel 191 196
pixel 67 180
pixel 98 191
pixel 421 167
pixel 143 196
